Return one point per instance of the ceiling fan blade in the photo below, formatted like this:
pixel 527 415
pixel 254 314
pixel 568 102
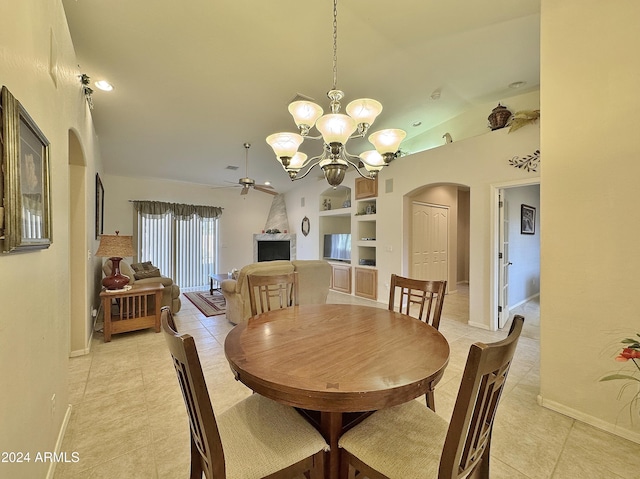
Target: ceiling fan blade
pixel 264 189
pixel 245 190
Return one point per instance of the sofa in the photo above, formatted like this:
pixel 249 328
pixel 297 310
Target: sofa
pixel 314 279
pixel 147 273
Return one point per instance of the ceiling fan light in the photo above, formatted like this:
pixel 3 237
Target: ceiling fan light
pixel 336 128
pixel 305 113
pixel 285 145
pixel 364 110
pixel 387 141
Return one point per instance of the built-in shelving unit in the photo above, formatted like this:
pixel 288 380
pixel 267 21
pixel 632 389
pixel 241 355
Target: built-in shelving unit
pixel 364 238
pixel 341 213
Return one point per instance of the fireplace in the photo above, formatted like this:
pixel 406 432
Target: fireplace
pixel 273 250
pixel 271 247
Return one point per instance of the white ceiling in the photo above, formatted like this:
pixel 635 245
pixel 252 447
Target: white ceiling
pixel 195 79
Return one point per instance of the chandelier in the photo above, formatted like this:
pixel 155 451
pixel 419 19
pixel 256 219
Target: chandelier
pixel 335 130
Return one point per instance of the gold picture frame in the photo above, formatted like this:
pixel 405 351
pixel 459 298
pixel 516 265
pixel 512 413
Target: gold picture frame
pixel 25 185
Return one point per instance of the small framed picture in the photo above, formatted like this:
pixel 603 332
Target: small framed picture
pixel 527 220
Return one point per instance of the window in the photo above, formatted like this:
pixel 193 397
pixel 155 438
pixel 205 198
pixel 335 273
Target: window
pixel 180 242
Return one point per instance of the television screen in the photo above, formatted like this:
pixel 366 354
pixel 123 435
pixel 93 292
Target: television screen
pixel 337 247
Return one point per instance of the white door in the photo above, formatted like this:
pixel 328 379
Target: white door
pixel 430 242
pixel 503 261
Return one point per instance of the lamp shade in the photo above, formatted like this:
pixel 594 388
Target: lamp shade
pixel 115 246
pixel 336 128
pixel 364 110
pixel 387 141
pixel 305 112
pixel 285 144
pixel 298 161
pixel 372 160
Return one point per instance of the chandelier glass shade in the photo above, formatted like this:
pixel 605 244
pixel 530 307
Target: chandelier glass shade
pixel 335 129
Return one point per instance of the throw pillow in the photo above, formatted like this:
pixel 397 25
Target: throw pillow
pixel 150 273
pixel 142 266
pixel 145 270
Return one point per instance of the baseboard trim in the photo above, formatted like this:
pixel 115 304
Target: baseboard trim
pixel 590 420
pixel 61 433
pixel 479 325
pixel 524 301
pixel 87 350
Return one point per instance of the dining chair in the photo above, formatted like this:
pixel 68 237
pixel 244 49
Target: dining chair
pixel 410 440
pixel 428 294
pixel 254 439
pixel 267 292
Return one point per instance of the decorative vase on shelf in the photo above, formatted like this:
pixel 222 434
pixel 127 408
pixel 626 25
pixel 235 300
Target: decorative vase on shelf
pixel 499 117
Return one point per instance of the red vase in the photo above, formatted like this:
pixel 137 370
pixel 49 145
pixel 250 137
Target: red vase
pixel 116 280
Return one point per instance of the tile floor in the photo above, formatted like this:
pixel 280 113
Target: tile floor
pixel 128 419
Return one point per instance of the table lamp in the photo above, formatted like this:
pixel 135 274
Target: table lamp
pixel 115 247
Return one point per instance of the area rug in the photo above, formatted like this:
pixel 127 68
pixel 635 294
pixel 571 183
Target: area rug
pixel 208 304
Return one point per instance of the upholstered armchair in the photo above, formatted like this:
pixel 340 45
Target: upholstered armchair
pixel 145 274
pixel 314 280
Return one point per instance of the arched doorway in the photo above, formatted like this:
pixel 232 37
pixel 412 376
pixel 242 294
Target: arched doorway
pixel 439 222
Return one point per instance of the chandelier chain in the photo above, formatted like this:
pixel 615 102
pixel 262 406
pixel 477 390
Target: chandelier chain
pixel 335 43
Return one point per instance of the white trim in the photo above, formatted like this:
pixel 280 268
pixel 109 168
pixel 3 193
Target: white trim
pixel 524 301
pixel 479 325
pixel 495 247
pixel 87 349
pixel 61 433
pixel 590 420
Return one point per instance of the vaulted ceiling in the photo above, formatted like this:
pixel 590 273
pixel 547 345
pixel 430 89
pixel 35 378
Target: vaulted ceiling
pixel 196 79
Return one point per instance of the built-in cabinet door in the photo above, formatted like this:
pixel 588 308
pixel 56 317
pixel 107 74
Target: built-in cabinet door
pixel 366 188
pixel 341 278
pixel 366 283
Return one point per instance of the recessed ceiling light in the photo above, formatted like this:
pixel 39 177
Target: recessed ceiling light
pixel 517 84
pixel 104 85
pixel 267 183
pixel 416 123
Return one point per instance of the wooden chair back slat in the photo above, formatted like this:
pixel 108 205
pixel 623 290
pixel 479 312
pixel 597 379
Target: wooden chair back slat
pixel 429 295
pixel 466 446
pixel 268 292
pixel 206 446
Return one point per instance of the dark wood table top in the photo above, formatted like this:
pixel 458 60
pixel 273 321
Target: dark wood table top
pixel 337 357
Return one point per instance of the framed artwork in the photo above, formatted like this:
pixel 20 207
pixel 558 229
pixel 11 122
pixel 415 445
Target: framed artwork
pixel 99 207
pixel 26 180
pixel 527 220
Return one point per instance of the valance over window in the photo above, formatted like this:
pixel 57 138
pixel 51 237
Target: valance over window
pixel 180 211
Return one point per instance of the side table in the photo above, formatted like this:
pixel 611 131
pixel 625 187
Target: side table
pixel 219 278
pixel 138 308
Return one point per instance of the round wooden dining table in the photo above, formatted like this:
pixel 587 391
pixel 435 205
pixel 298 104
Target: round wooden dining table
pixel 337 363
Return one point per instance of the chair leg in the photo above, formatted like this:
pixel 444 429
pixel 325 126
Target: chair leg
pixel 431 400
pixel 317 472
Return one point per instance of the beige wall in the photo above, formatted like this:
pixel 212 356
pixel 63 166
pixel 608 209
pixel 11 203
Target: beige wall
pixel 589 195
pixel 34 287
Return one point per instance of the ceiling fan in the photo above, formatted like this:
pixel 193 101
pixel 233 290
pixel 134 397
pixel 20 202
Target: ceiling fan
pixel 247 182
